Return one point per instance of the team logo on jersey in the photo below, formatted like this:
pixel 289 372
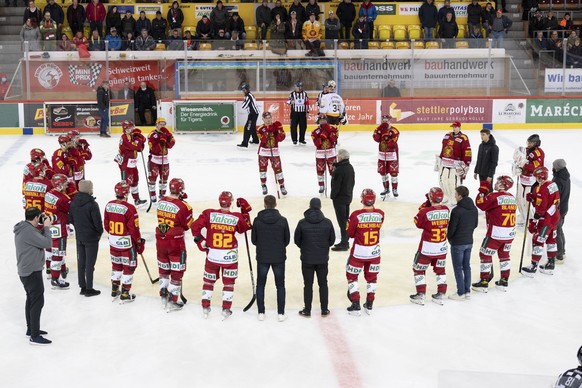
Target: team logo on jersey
pixel 437 215
pixel 168 207
pixel 370 217
pixel 51 199
pixel 36 187
pixel 48 75
pixel 115 208
pixel 506 200
pixel 221 218
pixel 123 242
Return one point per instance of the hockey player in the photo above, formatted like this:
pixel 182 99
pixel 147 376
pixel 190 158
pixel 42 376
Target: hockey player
pixel 332 105
pixel 159 141
pixel 132 141
pixel 324 91
pixel 37 156
pixel 62 161
pixel 250 105
pixel 325 140
pixel 499 207
pixel 453 162
pixel 387 138
pixel 270 134
pixel 572 378
pixel 299 102
pixel 57 203
pixel 364 227
pixel 433 219
pixel 525 161
pixel 545 199
pixel 121 221
pixel 81 152
pixel 36 187
pixel 221 248
pixel 174 219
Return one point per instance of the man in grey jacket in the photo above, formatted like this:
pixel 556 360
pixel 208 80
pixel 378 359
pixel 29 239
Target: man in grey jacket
pixel 30 245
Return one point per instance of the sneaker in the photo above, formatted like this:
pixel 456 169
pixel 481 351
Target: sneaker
pixel 283 190
pixel 40 340
pixel 126 297
pixel 59 284
pixel 530 270
pixel 265 191
pixel 368 306
pixel 242 145
pixel 281 317
pixel 92 292
pixel 439 298
pixel 481 286
pixel 226 313
pixel 458 297
pixel 305 314
pixel 340 248
pixel 418 298
pixel 354 309
pixel 139 202
pixel 502 284
pixel 548 268
pixel 559 259
pixel 205 312
pixel 467 295
pixel 104 135
pixel 395 192
pixel 40 332
pixel 321 189
pixel 325 313
pixel 261 317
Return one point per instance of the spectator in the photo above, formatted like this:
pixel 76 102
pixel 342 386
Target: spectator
pixel 445 10
pixel 4 85
pixel 332 30
pixel 30 33
pixel 551 42
pixel 428 15
pixel 526 7
pixel 476 38
pixel 463 221
pixel 48 32
pixel 575 55
pixel 370 14
pixel 550 22
pixel 487 158
pixel 312 7
pixel 346 13
pixel 562 180
pixel 114 40
pixel 314 235
pixel 537 23
pixel 145 42
pixel 565 24
pixel 104 97
pixel 190 41
pixel 175 17
pixel 95 42
pixel 342 191
pixel 474 12
pixel 391 90
pixel 299 11
pixel 487 17
pixel 32 13
pixel 448 31
pixel 204 29
pixel 76 17
pixel 278 35
pixel 85 216
pixel 499 27
pixel 159 27
pixel 80 41
pixel 58 15
pixel 219 16
pixel 539 43
pixel 65 44
pixel 113 19
pixel 312 34
pixel 141 23
pixel 96 13
pixel 127 24
pixel 129 42
pixel 175 41
pixel 236 43
pixel 145 99
pixel 572 38
pixel 293 32
pixel 279 9
pixel 263 19
pixel 235 23
pixel 270 234
pixel 559 52
pixel 220 41
pixel 127 93
pixel 361 33
pixel 30 247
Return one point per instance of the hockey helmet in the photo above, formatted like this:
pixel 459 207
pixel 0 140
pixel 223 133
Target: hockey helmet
pixel 386 118
pixel 245 86
pixel 435 195
pixel 535 140
pixel 161 120
pixel 368 197
pixel 177 186
pixel 456 124
pixel 299 84
pixel 127 124
pixel 121 189
pixel 63 139
pixel 331 84
pixel 321 116
pixel 225 199
pixel 36 154
pixel 541 173
pixel 580 355
pixel 266 114
pixel 506 181
pixel 59 181
pixel 37 170
pixel 74 133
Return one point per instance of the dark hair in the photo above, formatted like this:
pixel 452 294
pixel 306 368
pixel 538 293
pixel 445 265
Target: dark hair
pixel 462 191
pixel 270 202
pixel 485 131
pixel 31 213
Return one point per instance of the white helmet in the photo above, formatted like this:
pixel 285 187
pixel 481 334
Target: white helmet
pixel 331 84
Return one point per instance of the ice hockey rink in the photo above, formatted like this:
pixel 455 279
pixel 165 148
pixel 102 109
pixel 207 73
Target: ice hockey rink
pixel 523 338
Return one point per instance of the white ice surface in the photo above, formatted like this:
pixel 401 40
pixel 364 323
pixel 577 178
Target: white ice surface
pixel 523 338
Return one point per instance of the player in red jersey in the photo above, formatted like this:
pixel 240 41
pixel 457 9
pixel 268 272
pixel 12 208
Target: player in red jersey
pixel 270 134
pixel 364 227
pixel 525 161
pixel 132 141
pixel 499 207
pixel 545 199
pixel 453 161
pixel 81 152
pixel 433 219
pixel 57 203
pixel 159 141
pixel 62 161
pixel 221 248
pixel 37 156
pixel 174 219
pixel 325 140
pixel 387 138
pixel 35 188
pixel 125 243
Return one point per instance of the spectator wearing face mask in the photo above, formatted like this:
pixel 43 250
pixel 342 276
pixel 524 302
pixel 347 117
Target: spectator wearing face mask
pixel 4 84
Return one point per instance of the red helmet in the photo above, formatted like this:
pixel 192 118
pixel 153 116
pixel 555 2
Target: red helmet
pixel 225 199
pixel 64 139
pixel 36 154
pixel 436 195
pixel 74 133
pixel 386 118
pixel 177 186
pixel 506 181
pixel 322 116
pixel 121 189
pixel 267 114
pixel 368 197
pixel 127 124
pixel 37 170
pixel 541 173
pixel 456 124
pixel 59 181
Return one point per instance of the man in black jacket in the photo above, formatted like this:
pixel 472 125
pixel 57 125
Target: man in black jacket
pixel 314 235
pixel 428 15
pixel 342 191
pixel 85 216
pixel 562 179
pixel 270 234
pixel 462 223
pixel 145 98
pixel 487 158
pixel 346 13
pixel 103 97
pixel 76 17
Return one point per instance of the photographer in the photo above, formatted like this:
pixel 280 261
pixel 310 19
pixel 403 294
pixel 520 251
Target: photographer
pixel 30 245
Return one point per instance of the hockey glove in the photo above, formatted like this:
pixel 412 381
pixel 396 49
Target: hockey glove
pixel 323 136
pixel 243 204
pixel 163 141
pixel 532 226
pixel 484 187
pixel 200 242
pixel 529 197
pixel 343 120
pixel 140 246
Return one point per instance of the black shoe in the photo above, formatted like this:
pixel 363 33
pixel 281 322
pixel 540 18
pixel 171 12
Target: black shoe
pixel 302 142
pixel 40 340
pixel 305 314
pixel 92 292
pixel 325 313
pixel 242 145
pixel 104 135
pixel 254 142
pixel 41 332
pixel 295 143
pixel 83 291
pixel 340 248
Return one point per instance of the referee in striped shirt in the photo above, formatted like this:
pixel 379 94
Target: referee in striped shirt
pixel 250 104
pixel 299 107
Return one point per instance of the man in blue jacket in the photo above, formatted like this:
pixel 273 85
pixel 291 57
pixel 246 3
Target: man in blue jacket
pixel 370 13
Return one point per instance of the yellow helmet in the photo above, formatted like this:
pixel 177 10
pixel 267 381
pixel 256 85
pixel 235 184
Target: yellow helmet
pixel 161 120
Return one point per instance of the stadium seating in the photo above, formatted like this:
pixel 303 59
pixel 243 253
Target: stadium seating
pixel 402 45
pixel 251 46
pixel 160 47
pixel 399 32
pixel 418 44
pixel 462 44
pixel 251 32
pixel 192 29
pixel 384 32
pixel 413 31
pixel 544 4
pixel 387 45
pixel 462 32
pixel 432 45
pixel 68 32
pixel 204 46
pixel 558 4
pixel 373 45
pixel 572 4
pixel 343 46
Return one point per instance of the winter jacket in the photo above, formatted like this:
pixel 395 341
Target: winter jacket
pixel 314 236
pixel 312 9
pixel 76 17
pixel 95 13
pixel 332 28
pixel 449 30
pixel 175 44
pixel 32 36
pixel 369 11
pixel 364 28
pixel 159 27
pixel 96 44
pixel 263 15
pixel 238 25
pixel 140 24
pixel 56 12
pixel 562 179
pixel 30 245
pixel 299 12
pixel 175 18
pixel 219 17
pixel 113 20
pixel 343 180
pixel 443 14
pixel 463 221
pixel 103 97
pixel 346 13
pixel 487 158
pixel 35 16
pixel 291 33
pixel 128 25
pixel 487 16
pixel 204 29
pixel 145 44
pixel 474 13
pixel 145 98
pixel 428 15
pixel 281 11
pixel 114 42
pixel 270 234
pixel 85 216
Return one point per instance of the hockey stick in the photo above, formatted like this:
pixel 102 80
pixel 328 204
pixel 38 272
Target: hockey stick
pixel 524 237
pixel 325 171
pixel 252 276
pixel 273 167
pixel 146 174
pixel 154 281
pixel 182 297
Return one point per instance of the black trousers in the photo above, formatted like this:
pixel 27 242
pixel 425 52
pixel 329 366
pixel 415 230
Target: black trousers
pixel 96 26
pixel 34 287
pixel 560 238
pixel 308 271
pixel 250 129
pixel 298 119
pixel 344 32
pixel 279 273
pixel 86 258
pixel 342 213
pixel 141 113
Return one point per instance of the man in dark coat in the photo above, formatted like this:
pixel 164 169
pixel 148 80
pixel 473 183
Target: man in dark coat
pixel 85 216
pixel 346 13
pixel 104 95
pixel 314 236
pixel 428 15
pixel 76 17
pixel 145 98
pixel 562 179
pixel 343 180
pixel 270 234
pixel 487 158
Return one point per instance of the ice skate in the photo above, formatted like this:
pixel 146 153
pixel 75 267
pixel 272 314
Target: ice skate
pixel 283 190
pixel 355 309
pixel 501 284
pixel 175 306
pixel 115 293
pixel 481 286
pixel 385 192
pixel 205 312
pixel 418 298
pixel 264 188
pixel 530 270
pixel 395 192
pixel 59 284
pixel 368 306
pixel 139 202
pixel 164 297
pixel 548 268
pixel 126 297
pixel 321 189
pixel 65 273
pixel 226 313
pixel 439 298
